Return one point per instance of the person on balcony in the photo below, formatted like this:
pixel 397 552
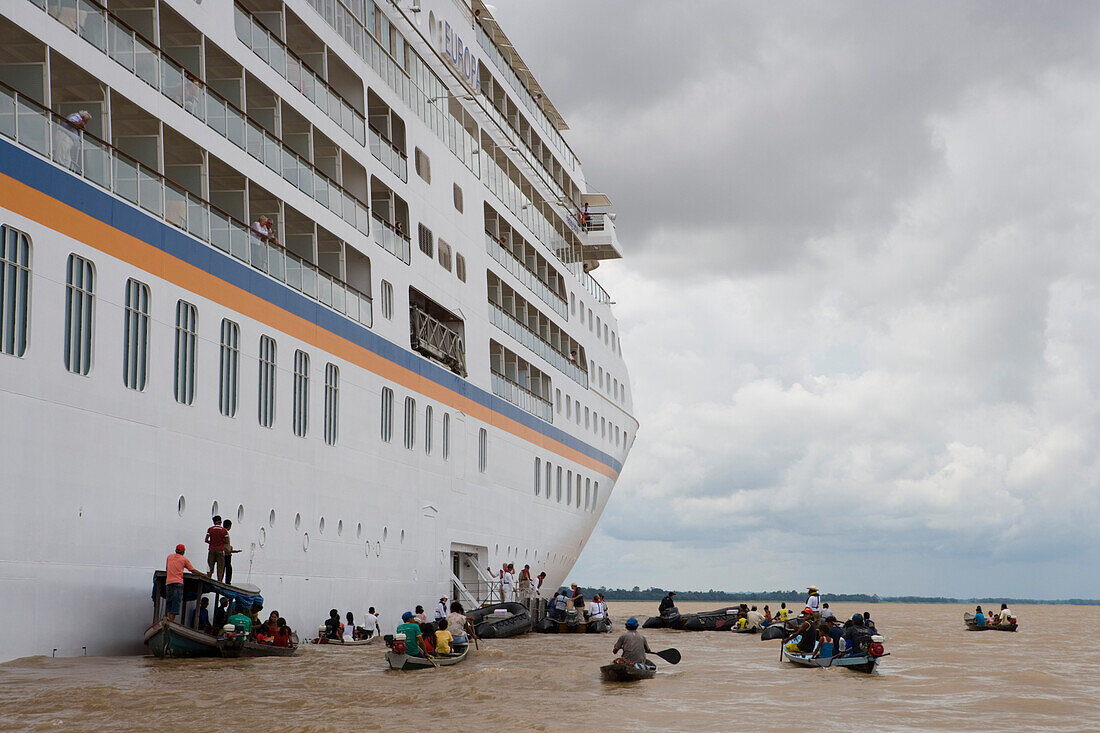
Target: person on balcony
pixel 68 140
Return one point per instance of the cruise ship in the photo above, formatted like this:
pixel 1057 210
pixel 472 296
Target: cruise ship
pixel 321 267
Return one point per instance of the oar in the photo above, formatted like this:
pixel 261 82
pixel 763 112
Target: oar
pixel 672 656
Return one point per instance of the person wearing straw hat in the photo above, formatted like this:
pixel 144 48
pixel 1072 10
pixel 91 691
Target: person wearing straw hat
pixel 813 603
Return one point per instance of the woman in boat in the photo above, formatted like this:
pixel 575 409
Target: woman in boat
pixel 459 626
pixel 427 631
pixel 349 628
pixel 421 617
pixel 979 617
pixel 443 637
pixel 282 634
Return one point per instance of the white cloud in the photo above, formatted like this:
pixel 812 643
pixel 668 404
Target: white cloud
pixel 861 301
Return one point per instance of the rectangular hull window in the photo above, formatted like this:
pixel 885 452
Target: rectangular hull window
pixel 267 382
pixel 332 402
pixel 428 430
pixel 482 450
pixel 446 435
pixel 79 314
pixel 410 423
pixel 15 290
pixel 301 393
pixel 135 336
pixel 186 340
pixel 387 414
pixel 229 368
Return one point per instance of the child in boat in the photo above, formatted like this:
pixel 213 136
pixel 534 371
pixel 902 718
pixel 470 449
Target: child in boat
pixel 427 631
pixel 282 633
pixel 443 637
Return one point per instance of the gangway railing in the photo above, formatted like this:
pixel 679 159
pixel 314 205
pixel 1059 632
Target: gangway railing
pixel 430 337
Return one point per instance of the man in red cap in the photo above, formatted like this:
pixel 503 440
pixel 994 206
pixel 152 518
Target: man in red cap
pixel 173 584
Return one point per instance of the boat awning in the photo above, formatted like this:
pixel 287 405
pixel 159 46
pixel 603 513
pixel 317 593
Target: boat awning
pixel 209 585
pixel 595 199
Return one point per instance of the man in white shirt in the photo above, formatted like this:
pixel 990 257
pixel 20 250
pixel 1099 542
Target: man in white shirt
pixel 371 624
pixel 508 580
pixel 814 602
pixel 441 608
pixel 597 608
pixel 826 612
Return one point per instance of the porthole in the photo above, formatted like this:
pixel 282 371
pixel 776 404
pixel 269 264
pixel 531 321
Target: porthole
pixel 240 512
pixel 366 550
pixel 297 522
pixel 442 557
pixel 321 526
pixel 214 509
pixel 378 549
pixel 305 541
pixel 263 537
pixel 496 549
pixel 359 531
pixel 271 518
pixel 181 506
pixel 385 533
pixel 340 528
pixel 402 536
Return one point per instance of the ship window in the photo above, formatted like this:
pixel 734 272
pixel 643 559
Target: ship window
pixel 587 424
pixel 15 290
pixel 387 414
pixel 482 449
pixel 559 484
pixel 446 435
pixel 549 470
pixel 301 393
pixel 425 239
pixel 587 492
pixel 603 428
pixel 460 267
pixel 267 382
pixel 428 430
pixel 410 422
pixel 589 319
pixel 538 474
pixel 445 255
pixel 135 335
pixel 423 165
pixel 578 490
pixel 568 407
pixel 568 488
pixel 582 311
pixel 229 368
pixel 573 304
pixel 557 399
pixel 79 307
pixel 387 300
pixel 332 402
pixel 595 494
pixel 187 317
pixel 458 198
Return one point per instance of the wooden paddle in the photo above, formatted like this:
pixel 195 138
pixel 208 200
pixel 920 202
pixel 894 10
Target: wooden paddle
pixel 672 656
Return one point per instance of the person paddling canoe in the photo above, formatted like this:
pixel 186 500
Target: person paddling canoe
pixel 633 645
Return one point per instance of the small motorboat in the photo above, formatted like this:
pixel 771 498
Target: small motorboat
pixel 599 626
pixel 628 672
pixel 401 661
pixel 864 661
pixel 777 630
pixel 500 620
pixel 671 620
pixel 573 626
pixel 339 643
pixel 256 649
pixel 183 637
pixel 971 625
pixel 721 619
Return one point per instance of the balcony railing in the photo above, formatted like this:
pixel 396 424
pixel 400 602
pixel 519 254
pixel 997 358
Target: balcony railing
pixel 38 129
pixel 430 337
pixel 389 239
pixel 507 322
pixel 522 397
pixel 526 275
pixel 141 58
pixel 389 154
pixel 274 52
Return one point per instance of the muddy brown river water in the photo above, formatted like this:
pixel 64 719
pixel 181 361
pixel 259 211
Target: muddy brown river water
pixel 938 677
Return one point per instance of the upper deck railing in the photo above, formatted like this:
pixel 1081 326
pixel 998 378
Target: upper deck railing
pixel 149 63
pixel 271 49
pixel 49 135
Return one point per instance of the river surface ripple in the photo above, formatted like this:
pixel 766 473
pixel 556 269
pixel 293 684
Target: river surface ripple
pixel 938 677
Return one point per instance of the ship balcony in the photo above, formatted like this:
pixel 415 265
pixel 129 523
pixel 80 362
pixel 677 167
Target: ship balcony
pixel 600 240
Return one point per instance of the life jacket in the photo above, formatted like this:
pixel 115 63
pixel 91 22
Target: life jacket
pixel 784 614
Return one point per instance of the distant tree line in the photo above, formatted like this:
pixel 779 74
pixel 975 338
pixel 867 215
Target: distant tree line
pixel 798 596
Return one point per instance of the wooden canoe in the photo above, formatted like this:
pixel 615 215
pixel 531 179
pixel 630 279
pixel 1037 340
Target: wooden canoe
pixel 406 663
pixel 628 672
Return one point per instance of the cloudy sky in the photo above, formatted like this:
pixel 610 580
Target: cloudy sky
pixel 861 298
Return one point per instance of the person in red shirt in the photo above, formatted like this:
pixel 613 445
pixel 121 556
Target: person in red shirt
pixel 173 583
pixel 215 538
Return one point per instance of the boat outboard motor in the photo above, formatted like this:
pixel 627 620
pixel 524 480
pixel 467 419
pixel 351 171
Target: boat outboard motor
pixel 875 648
pixel 398 645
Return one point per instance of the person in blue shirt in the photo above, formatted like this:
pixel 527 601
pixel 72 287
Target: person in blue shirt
pixel 979 617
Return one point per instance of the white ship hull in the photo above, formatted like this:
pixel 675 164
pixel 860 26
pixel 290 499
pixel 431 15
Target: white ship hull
pixel 99 481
